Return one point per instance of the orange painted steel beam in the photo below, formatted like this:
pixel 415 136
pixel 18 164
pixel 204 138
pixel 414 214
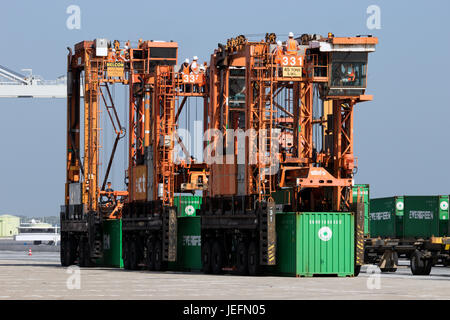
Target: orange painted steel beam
pixel 354 40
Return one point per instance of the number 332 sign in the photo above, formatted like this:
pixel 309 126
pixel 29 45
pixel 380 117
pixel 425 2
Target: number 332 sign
pixel 193 78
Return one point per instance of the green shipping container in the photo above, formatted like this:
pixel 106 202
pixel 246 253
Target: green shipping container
pixel 386 217
pixel 187 205
pixel 282 198
pixel 112 244
pixel 315 243
pixel 189 253
pixel 421 219
pixel 409 217
pixel 399 215
pixel 364 193
pixel 443 216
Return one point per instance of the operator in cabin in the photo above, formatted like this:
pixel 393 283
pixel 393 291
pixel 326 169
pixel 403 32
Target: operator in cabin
pixel 109 195
pixel 348 73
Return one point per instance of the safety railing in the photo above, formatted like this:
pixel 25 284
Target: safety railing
pixel 287 67
pixel 316 71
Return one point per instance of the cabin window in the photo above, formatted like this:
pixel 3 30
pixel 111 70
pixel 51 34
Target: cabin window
pixel 348 73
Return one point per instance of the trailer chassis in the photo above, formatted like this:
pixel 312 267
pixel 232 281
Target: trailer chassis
pixel 422 253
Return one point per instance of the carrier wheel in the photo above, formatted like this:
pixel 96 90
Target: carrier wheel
pixel 253 258
pixel 133 254
pixel 150 254
pixel 217 256
pixel 357 270
pixel 85 259
pixel 71 250
pixel 158 256
pixel 417 263
pixel 242 258
pixel 206 256
pixel 63 252
pixel 126 254
pixel 428 266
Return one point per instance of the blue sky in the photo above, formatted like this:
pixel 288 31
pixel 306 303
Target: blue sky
pixel 401 137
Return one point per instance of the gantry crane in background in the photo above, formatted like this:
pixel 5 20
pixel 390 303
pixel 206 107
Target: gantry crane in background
pixel 306 100
pixel 16 85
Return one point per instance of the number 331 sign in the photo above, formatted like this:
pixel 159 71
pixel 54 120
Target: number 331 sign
pixel 292 61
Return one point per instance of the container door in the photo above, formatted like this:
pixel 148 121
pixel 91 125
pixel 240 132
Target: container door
pixel 325 243
pixel 189 240
pixel 112 243
pixel 421 219
pixel 382 218
pixel 286 235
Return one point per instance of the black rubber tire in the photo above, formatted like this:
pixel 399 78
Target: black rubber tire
pixel 89 262
pixel 150 254
pixel 357 270
pixel 206 256
pixel 158 256
pixel 75 253
pixel 133 254
pixel 82 253
pixel 71 251
pixel 427 268
pixel 85 258
pixel 417 263
pixel 217 257
pixel 126 254
pixel 253 259
pixel 63 252
pixel 242 258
